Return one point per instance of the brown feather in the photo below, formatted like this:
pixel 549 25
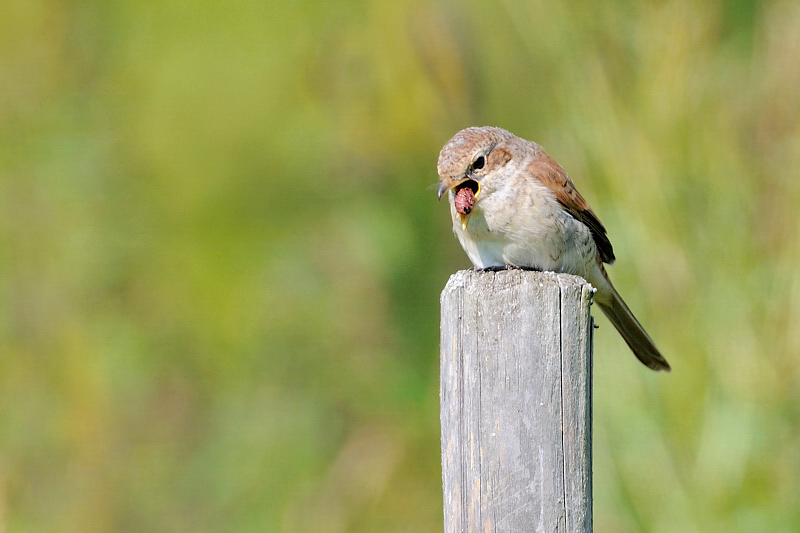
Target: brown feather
pixel 632 331
pixel 555 178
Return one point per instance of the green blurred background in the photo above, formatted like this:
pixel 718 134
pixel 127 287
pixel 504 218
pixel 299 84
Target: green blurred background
pixel 221 254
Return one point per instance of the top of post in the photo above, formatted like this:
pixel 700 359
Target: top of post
pixel 514 277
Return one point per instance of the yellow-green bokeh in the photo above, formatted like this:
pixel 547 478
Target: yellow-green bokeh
pixel 221 255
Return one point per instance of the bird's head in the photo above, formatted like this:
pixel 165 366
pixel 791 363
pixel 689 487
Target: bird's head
pixel 470 159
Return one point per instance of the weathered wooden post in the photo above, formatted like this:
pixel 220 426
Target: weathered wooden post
pixel 516 402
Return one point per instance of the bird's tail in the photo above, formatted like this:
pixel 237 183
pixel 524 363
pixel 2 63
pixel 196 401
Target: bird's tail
pixel 634 334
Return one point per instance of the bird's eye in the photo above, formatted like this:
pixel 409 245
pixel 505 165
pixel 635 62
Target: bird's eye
pixel 478 164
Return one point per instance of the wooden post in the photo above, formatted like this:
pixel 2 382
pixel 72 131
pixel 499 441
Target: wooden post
pixel 516 402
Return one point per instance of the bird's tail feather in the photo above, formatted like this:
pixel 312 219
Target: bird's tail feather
pixel 634 334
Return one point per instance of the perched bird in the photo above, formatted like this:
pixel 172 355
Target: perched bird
pixel 513 206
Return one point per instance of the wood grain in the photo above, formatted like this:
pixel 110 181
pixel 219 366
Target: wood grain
pixel 516 358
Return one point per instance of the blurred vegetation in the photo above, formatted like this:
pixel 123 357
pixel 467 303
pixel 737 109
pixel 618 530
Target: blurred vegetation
pixel 221 255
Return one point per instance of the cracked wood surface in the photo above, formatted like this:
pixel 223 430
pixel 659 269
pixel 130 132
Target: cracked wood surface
pixel 516 359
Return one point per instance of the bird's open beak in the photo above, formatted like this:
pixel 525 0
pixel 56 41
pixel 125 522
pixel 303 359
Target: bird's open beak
pixel 442 190
pixel 444 187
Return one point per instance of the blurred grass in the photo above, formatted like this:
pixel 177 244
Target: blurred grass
pixel 220 255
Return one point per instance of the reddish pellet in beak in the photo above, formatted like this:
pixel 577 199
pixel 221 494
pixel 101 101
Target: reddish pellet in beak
pixel 465 200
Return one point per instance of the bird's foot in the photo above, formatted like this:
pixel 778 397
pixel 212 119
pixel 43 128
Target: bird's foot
pixel 500 268
pixel 495 268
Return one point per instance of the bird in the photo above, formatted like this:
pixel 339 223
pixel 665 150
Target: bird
pixel 514 206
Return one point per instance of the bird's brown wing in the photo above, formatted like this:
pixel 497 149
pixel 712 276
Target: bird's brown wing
pixel 555 178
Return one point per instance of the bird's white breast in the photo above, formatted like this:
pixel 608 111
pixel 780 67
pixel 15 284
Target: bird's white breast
pixel 524 225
